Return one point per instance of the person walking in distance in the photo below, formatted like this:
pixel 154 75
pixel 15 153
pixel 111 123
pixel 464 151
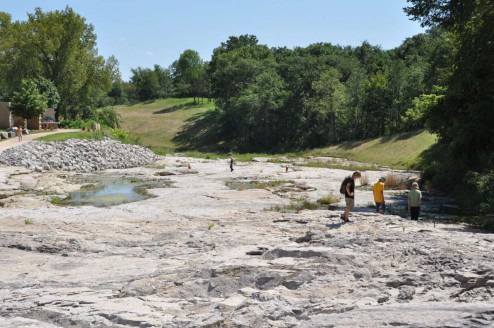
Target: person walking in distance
pixel 378 191
pixel 349 183
pixel 414 201
pixel 231 164
pixel 19 133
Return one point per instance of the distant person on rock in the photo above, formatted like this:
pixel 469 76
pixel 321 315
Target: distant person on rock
pixel 378 191
pixel 349 188
pixel 231 164
pixel 19 133
pixel 414 201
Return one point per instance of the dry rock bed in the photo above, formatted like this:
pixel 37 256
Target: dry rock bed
pixel 203 254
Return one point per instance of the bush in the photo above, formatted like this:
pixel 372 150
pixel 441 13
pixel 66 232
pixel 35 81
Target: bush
pixel 328 199
pixel 72 124
pixel 107 116
pixel 123 136
pixel 479 195
pixel 394 181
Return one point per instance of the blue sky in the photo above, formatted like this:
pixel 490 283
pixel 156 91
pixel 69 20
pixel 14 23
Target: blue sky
pixel 147 32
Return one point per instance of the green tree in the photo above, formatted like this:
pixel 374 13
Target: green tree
pixel 28 102
pixel 327 108
pixel 48 89
pixel 189 74
pixel 61 47
pixel 464 118
pixel 376 105
pixel 146 82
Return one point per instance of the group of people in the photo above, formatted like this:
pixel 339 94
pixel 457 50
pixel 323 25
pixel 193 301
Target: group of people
pixel 348 188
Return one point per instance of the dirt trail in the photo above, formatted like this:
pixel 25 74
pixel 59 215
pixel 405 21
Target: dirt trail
pixel 14 142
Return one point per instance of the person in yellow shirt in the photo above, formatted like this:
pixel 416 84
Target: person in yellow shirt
pixel 378 190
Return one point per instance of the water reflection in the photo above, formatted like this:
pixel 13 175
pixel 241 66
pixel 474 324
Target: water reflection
pixel 108 191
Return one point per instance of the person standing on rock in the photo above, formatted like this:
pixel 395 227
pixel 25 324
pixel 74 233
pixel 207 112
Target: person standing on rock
pixel 414 201
pixel 378 191
pixel 19 133
pixel 349 184
pixel 231 164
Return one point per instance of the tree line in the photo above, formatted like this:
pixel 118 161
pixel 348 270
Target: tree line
pixel 280 99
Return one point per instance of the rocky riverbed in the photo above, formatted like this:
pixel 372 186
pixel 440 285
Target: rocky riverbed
pixel 202 253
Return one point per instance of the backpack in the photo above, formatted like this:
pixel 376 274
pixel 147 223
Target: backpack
pixel 343 186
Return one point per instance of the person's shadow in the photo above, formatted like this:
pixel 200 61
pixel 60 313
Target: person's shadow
pixel 336 225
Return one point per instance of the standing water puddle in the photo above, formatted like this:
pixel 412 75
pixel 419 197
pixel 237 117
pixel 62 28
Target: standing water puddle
pixel 109 191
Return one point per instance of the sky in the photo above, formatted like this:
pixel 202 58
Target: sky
pixel 142 33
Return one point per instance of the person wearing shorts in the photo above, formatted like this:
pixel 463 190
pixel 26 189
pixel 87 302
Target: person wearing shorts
pixel 350 195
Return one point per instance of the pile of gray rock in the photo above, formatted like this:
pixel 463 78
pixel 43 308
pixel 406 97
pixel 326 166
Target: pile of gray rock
pixel 77 155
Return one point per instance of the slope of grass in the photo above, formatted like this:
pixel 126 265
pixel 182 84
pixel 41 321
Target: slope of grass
pixel 156 123
pixel 398 151
pixel 168 125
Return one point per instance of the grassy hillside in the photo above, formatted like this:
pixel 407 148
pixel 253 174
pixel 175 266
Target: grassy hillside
pixel 158 122
pixel 398 151
pixel 161 123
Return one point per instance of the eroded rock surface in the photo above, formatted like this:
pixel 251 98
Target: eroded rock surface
pixel 203 255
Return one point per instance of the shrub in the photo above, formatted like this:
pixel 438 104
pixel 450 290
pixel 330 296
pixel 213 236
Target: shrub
pixel 480 193
pixel 489 224
pixel 328 199
pixel 123 136
pixel 72 124
pixel 107 116
pixel 394 181
pixel 56 201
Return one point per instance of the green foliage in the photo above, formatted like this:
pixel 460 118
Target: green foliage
pixel 242 185
pixel 189 75
pixel 28 102
pixel 123 136
pixel 58 46
pixel 463 118
pixel 296 206
pixel 72 135
pixel 415 116
pixel 72 124
pixel 56 200
pixel 28 221
pixel 107 116
pixel 479 191
pixel 150 84
pixel 48 89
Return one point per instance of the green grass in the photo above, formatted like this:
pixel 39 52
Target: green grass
pixel 295 206
pixel 166 124
pixel 398 151
pixel 242 185
pixel 72 135
pixel 328 199
pixel 157 123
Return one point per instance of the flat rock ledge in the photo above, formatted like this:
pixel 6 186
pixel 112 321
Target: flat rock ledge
pixel 200 254
pixel 77 155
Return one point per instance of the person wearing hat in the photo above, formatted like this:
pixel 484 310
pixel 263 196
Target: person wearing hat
pixel 378 190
